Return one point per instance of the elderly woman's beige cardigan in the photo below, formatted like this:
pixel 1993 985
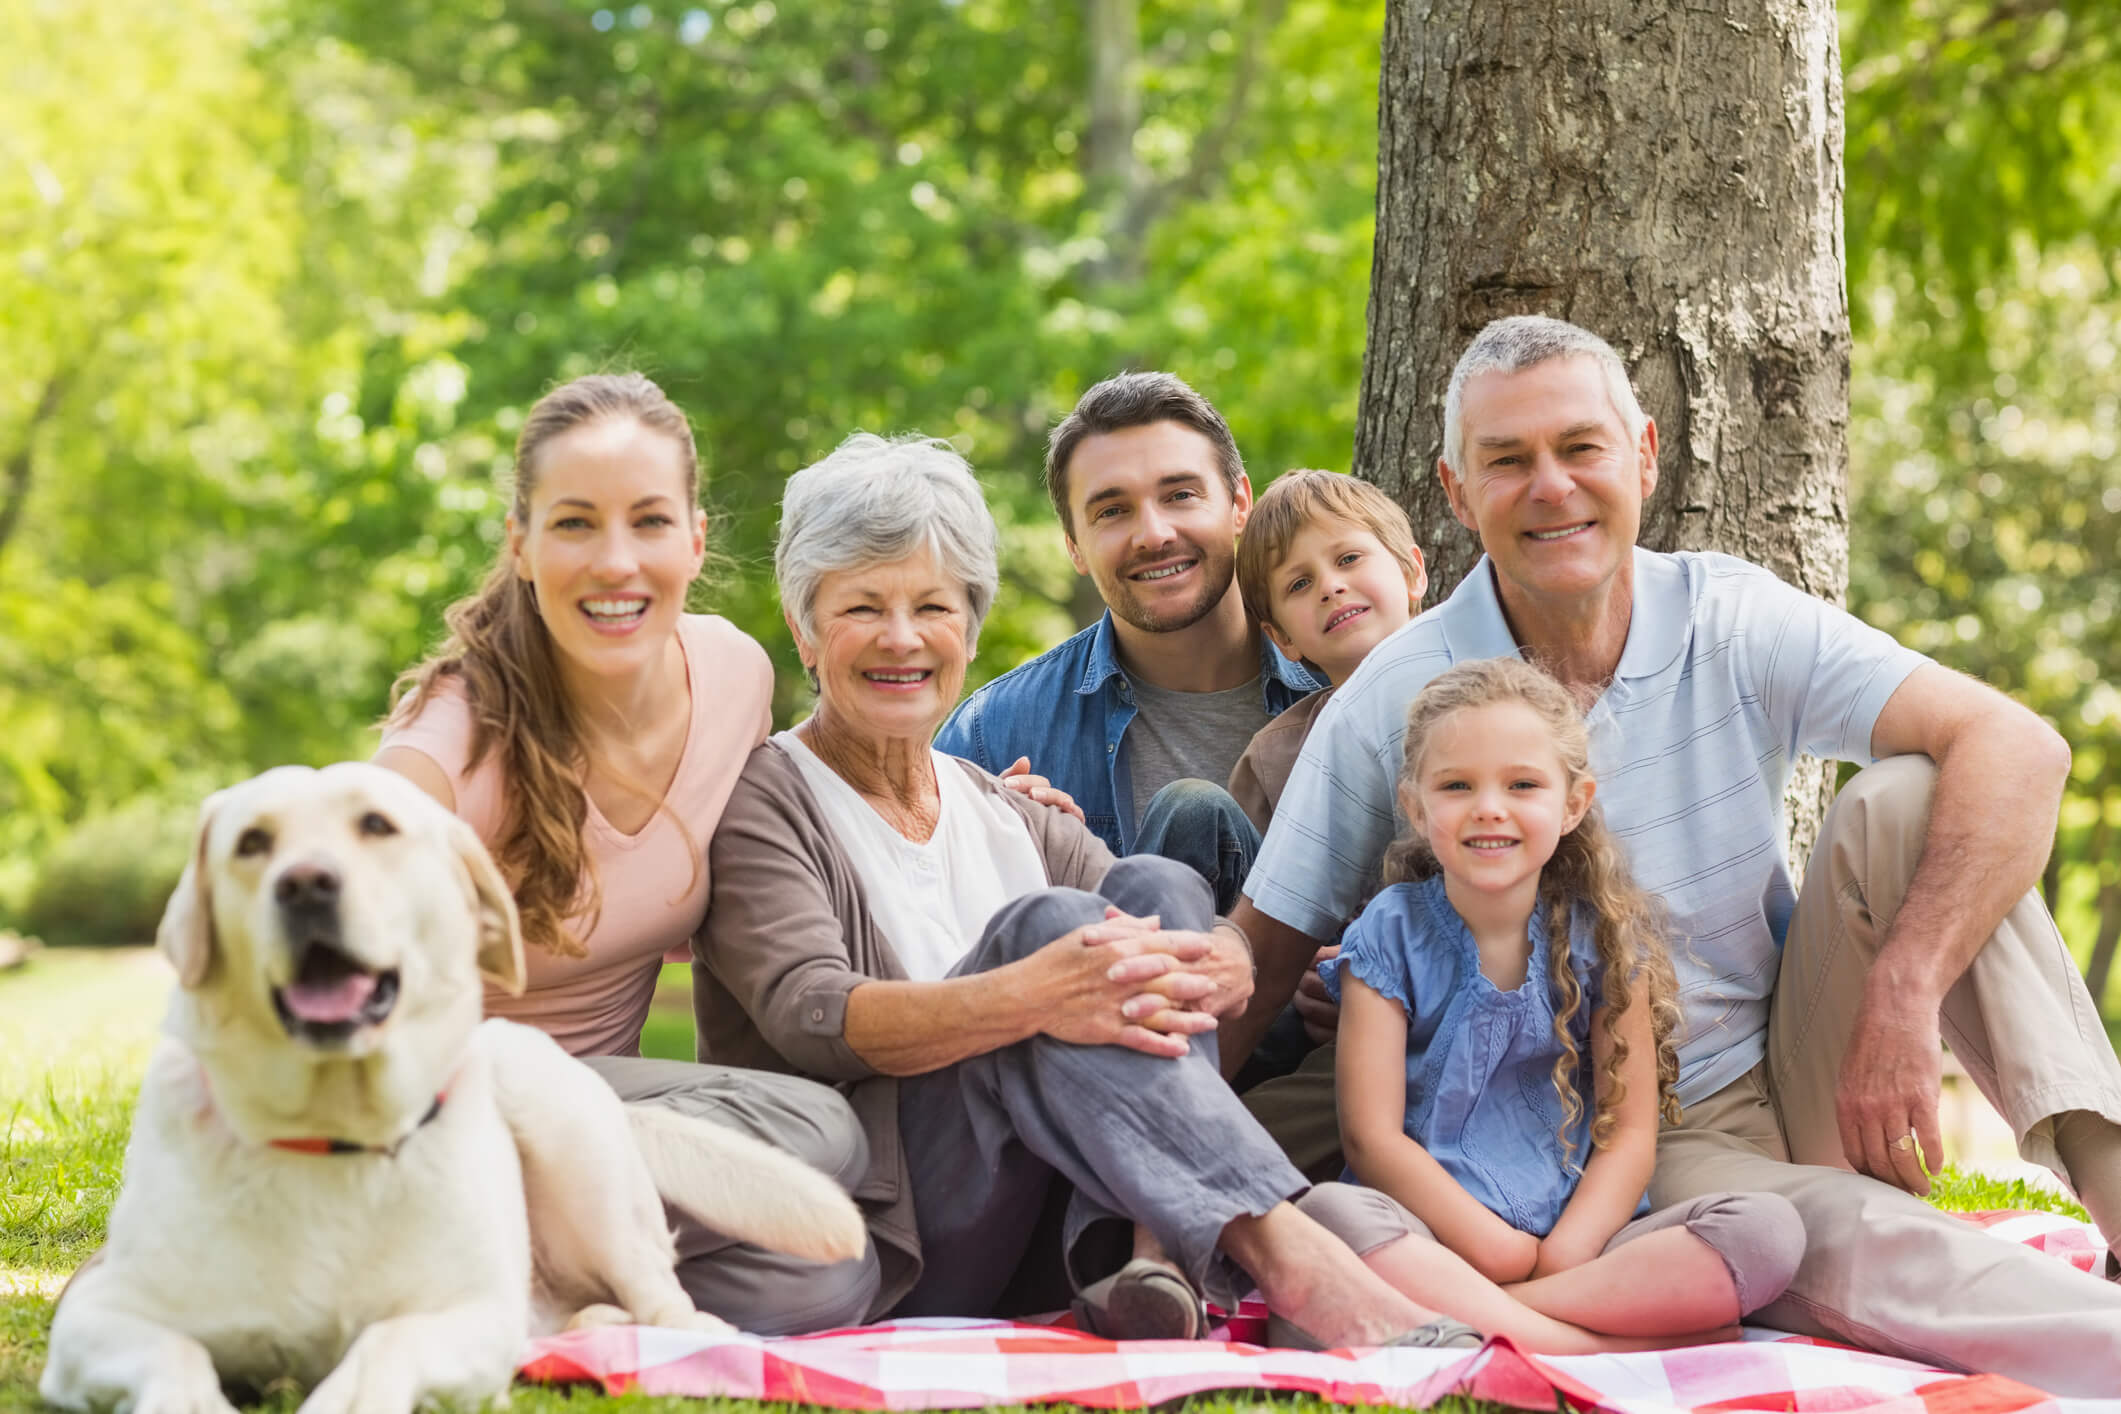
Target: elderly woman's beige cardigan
pixel 788 935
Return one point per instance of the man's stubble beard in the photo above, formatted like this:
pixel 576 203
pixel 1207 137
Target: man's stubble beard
pixel 1217 572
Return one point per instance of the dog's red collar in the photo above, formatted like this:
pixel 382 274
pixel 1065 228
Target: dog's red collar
pixel 327 1145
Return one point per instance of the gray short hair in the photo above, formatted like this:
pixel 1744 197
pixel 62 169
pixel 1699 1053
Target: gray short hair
pixel 874 500
pixel 1522 341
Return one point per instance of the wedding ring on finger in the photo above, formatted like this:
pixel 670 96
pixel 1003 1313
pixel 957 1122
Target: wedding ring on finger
pixel 1905 1141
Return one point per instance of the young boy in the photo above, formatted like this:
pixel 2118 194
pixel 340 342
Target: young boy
pixel 1328 568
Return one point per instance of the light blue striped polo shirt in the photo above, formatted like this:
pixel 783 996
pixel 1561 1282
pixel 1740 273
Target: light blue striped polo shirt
pixel 1728 675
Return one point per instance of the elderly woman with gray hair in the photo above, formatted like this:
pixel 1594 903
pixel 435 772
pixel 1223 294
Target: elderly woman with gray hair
pixel 1008 1009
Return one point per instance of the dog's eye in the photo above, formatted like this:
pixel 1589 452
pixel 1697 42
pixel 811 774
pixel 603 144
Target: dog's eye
pixel 253 841
pixel 376 823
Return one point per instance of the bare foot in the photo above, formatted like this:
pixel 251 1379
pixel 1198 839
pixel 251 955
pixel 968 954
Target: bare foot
pixel 1311 1279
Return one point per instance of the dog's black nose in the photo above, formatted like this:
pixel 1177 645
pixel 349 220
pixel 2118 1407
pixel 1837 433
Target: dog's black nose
pixel 307 886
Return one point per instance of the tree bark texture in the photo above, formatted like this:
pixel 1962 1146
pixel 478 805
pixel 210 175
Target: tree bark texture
pixel 1669 177
pixel 1110 168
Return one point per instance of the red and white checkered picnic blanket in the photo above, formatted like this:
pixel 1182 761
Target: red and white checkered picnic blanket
pixel 950 1364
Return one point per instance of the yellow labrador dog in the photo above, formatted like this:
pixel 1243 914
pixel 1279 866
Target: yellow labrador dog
pixel 338 1174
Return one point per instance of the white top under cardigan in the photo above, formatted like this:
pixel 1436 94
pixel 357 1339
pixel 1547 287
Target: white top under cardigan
pixel 931 900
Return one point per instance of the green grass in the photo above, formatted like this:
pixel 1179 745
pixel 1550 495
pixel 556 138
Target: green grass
pixel 1957 1192
pixel 76 1027
pixel 668 1030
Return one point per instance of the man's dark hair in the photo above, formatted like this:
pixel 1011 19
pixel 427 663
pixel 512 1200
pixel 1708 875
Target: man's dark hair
pixel 1136 400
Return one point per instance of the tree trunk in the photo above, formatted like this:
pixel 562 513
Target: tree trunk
pixel 1669 177
pixel 1111 171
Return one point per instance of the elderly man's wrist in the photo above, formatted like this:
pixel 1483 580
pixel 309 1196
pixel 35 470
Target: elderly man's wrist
pixel 1904 988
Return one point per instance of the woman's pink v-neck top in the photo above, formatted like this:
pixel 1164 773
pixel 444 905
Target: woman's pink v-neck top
pixel 654 882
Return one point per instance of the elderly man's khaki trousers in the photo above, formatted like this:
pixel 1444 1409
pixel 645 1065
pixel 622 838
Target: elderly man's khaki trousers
pixel 1882 1268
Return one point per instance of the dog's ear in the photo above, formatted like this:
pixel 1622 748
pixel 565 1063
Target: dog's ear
pixel 186 934
pixel 500 936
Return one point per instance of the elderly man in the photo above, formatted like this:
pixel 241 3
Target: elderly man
pixel 1811 1060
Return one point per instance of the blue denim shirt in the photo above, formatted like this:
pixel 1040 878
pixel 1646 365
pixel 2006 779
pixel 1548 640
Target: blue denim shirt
pixel 1480 1061
pixel 1068 710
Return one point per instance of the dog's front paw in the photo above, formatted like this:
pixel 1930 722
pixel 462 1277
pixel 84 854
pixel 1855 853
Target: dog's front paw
pixel 359 1386
pixel 681 1318
pixel 167 1396
pixel 181 1380
pixel 700 1321
pixel 591 1318
pixel 395 1365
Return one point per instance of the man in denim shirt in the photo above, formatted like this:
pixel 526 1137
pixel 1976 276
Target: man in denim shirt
pixel 1142 715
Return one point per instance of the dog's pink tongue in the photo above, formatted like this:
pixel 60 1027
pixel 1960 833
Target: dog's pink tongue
pixel 340 999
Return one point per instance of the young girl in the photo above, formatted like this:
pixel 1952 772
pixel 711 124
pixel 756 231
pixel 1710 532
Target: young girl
pixel 1506 1044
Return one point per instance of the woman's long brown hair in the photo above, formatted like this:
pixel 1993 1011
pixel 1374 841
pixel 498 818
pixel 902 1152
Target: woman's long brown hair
pixel 1588 870
pixel 498 649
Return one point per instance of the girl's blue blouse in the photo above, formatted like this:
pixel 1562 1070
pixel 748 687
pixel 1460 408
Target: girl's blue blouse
pixel 1480 1061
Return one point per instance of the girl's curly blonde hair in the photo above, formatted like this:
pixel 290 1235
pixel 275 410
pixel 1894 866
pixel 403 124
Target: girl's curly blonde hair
pixel 1587 869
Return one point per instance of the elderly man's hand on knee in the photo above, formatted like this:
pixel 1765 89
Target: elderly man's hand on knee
pixel 1886 1102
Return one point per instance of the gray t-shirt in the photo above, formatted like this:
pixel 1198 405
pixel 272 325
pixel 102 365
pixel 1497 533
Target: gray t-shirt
pixel 1176 735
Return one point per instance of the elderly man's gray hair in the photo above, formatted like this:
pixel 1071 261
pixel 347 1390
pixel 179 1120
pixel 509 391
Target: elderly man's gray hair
pixel 875 500
pixel 1521 341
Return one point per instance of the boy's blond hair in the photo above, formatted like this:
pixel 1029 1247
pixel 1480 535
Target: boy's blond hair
pixel 1296 499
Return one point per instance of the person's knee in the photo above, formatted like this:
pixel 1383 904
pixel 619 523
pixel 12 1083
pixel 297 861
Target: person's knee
pixel 834 1142
pixel 1901 784
pixel 1198 814
pixel 1191 799
pixel 1362 1218
pixel 1149 884
pixel 1198 824
pixel 1761 1239
pixel 813 1122
pixel 1023 926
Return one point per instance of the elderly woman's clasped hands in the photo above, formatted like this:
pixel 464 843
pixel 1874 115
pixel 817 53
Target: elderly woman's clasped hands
pixel 1126 981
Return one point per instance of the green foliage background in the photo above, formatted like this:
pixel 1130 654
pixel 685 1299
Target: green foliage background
pixel 281 277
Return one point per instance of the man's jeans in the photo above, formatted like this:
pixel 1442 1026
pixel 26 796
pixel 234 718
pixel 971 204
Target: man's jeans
pixel 1197 824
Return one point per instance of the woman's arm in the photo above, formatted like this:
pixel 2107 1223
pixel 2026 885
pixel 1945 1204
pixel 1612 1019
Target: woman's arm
pixel 420 768
pixel 779 937
pixel 1370 1076
pixel 1613 1177
pixel 1065 990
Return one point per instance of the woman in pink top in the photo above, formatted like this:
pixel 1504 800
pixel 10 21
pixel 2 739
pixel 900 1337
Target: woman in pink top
pixel 590 730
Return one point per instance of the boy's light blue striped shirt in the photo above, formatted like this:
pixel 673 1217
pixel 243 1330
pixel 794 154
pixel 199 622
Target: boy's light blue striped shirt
pixel 1728 675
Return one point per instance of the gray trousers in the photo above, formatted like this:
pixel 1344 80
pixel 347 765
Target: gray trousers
pixel 766 1293
pixel 1160 1142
